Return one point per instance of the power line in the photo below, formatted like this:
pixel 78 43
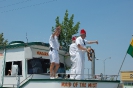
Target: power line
pixel 29 6
pixel 14 4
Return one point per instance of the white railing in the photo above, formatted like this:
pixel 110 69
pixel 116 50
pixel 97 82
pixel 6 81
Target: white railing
pixel 86 76
pixel 104 77
pixel 21 83
pixel 25 80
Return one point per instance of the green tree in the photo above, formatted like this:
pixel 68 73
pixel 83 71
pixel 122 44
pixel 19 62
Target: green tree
pixel 67 29
pixel 3 42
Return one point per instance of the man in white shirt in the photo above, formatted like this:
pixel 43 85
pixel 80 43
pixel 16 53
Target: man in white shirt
pixel 53 53
pixel 80 55
pixel 72 51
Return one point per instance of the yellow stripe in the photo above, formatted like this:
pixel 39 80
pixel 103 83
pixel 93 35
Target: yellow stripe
pixel 131 42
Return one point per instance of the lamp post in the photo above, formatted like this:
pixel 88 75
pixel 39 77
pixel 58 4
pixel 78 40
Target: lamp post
pixel 104 63
pixel 88 72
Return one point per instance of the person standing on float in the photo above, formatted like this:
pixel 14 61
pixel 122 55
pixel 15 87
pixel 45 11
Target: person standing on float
pixel 80 55
pixel 72 51
pixel 53 53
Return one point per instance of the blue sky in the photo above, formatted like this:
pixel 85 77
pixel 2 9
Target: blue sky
pixel 108 21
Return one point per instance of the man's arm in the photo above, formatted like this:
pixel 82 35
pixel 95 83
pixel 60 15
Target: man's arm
pixel 91 42
pixel 56 31
pixel 82 48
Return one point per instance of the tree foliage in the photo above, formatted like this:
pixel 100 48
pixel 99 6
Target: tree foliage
pixel 3 42
pixel 68 29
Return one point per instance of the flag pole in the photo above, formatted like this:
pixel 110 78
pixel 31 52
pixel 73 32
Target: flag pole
pixel 121 67
pixel 122 64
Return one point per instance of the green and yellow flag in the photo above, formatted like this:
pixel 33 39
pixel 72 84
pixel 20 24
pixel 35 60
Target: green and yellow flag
pixel 130 49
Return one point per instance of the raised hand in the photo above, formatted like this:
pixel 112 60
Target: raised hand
pixel 96 42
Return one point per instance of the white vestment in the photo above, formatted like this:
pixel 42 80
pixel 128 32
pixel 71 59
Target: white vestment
pixel 54 44
pixel 72 52
pixel 80 56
